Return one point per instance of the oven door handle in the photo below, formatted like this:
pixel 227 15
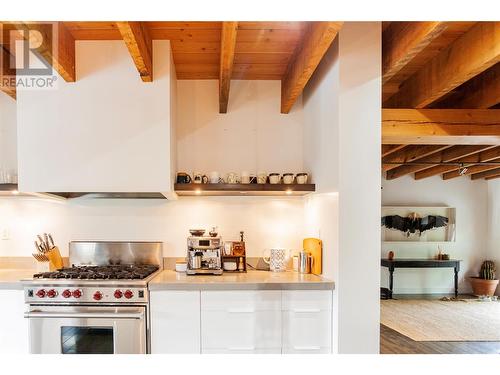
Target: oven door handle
pixel 84 315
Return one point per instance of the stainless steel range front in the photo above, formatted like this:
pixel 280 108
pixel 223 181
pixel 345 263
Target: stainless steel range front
pixel 99 305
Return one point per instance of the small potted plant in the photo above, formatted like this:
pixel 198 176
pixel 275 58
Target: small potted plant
pixel 485 284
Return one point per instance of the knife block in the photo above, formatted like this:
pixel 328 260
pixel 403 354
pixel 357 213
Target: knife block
pixel 55 259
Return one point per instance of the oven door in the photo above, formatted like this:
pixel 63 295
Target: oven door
pixel 87 329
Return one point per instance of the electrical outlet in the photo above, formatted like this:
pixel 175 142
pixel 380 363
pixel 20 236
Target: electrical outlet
pixel 5 234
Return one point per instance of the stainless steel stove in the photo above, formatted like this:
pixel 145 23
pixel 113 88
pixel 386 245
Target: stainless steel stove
pixel 98 305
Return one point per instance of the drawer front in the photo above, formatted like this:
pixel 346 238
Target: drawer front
pixel 175 322
pixel 246 301
pixel 242 351
pixel 307 350
pixel 307 300
pixel 240 331
pixel 307 332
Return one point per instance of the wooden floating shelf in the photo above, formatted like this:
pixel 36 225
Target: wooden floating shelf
pixel 244 189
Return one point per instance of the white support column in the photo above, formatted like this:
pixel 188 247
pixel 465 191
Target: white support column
pixel 359 179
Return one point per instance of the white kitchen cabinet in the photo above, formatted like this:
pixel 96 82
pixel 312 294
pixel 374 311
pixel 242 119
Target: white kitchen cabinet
pixel 13 326
pixel 175 322
pixel 108 132
pixel 307 321
pixel 241 322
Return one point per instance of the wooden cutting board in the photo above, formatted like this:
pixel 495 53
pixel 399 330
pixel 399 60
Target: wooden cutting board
pixel 315 247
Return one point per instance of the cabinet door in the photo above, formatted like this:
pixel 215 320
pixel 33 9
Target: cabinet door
pixel 241 322
pixel 307 321
pixel 14 336
pixel 175 322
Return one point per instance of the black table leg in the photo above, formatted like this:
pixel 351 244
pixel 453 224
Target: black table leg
pixel 391 281
pixel 456 281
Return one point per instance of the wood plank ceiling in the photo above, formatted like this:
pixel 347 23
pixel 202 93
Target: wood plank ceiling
pixel 252 51
pixel 441 99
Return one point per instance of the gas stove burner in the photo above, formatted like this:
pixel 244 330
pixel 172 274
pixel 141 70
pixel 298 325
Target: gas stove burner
pixel 113 272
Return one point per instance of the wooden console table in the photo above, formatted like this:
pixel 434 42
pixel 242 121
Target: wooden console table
pixel 420 263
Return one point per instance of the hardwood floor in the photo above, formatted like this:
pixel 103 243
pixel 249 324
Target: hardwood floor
pixel 392 342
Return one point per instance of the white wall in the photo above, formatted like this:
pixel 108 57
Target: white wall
pixel 8 130
pixel 109 131
pixel 471 201
pixel 267 222
pixel 342 149
pixel 493 239
pixel 252 136
pixel 359 186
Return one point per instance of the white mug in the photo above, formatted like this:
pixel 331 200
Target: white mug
pixel 274 178
pixel 245 177
pixel 261 177
pixel 232 178
pixel 215 177
pixel 277 259
pixel 302 178
pixel 288 178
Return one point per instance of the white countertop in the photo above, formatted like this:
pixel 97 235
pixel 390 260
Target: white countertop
pixel 252 280
pixel 10 278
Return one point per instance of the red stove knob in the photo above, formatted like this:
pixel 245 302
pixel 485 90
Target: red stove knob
pixel 97 296
pixel 118 293
pixel 77 293
pixel 66 293
pixel 52 293
pixel 40 293
pixel 128 294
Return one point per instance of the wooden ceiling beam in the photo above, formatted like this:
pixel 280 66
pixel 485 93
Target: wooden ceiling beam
pixel 469 153
pixel 493 177
pixel 227 48
pixel 409 154
pixel 389 149
pixel 483 91
pixel 7 75
pixel 472 169
pixel 61 58
pixel 471 54
pixel 448 155
pixel 402 41
pixel 316 41
pixel 441 126
pixel 136 37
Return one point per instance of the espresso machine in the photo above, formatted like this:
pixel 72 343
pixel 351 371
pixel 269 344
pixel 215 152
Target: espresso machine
pixel 204 255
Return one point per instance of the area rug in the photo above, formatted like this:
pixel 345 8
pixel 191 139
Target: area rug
pixel 430 320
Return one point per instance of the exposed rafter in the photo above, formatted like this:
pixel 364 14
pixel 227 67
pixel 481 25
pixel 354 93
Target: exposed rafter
pixel 472 53
pixel 402 41
pixel 227 47
pixel 136 37
pixel 7 74
pixel 409 154
pixel 469 153
pixel 483 91
pixel 62 56
pixel 441 126
pixel 389 149
pixel 449 155
pixel 497 175
pixel 472 169
pixel 317 39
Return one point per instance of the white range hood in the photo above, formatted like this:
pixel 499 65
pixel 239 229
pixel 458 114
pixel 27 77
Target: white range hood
pixel 108 135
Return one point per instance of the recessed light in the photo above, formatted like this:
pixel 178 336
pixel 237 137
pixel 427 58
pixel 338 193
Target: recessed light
pixel 288 192
pixel 14 192
pixel 197 191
